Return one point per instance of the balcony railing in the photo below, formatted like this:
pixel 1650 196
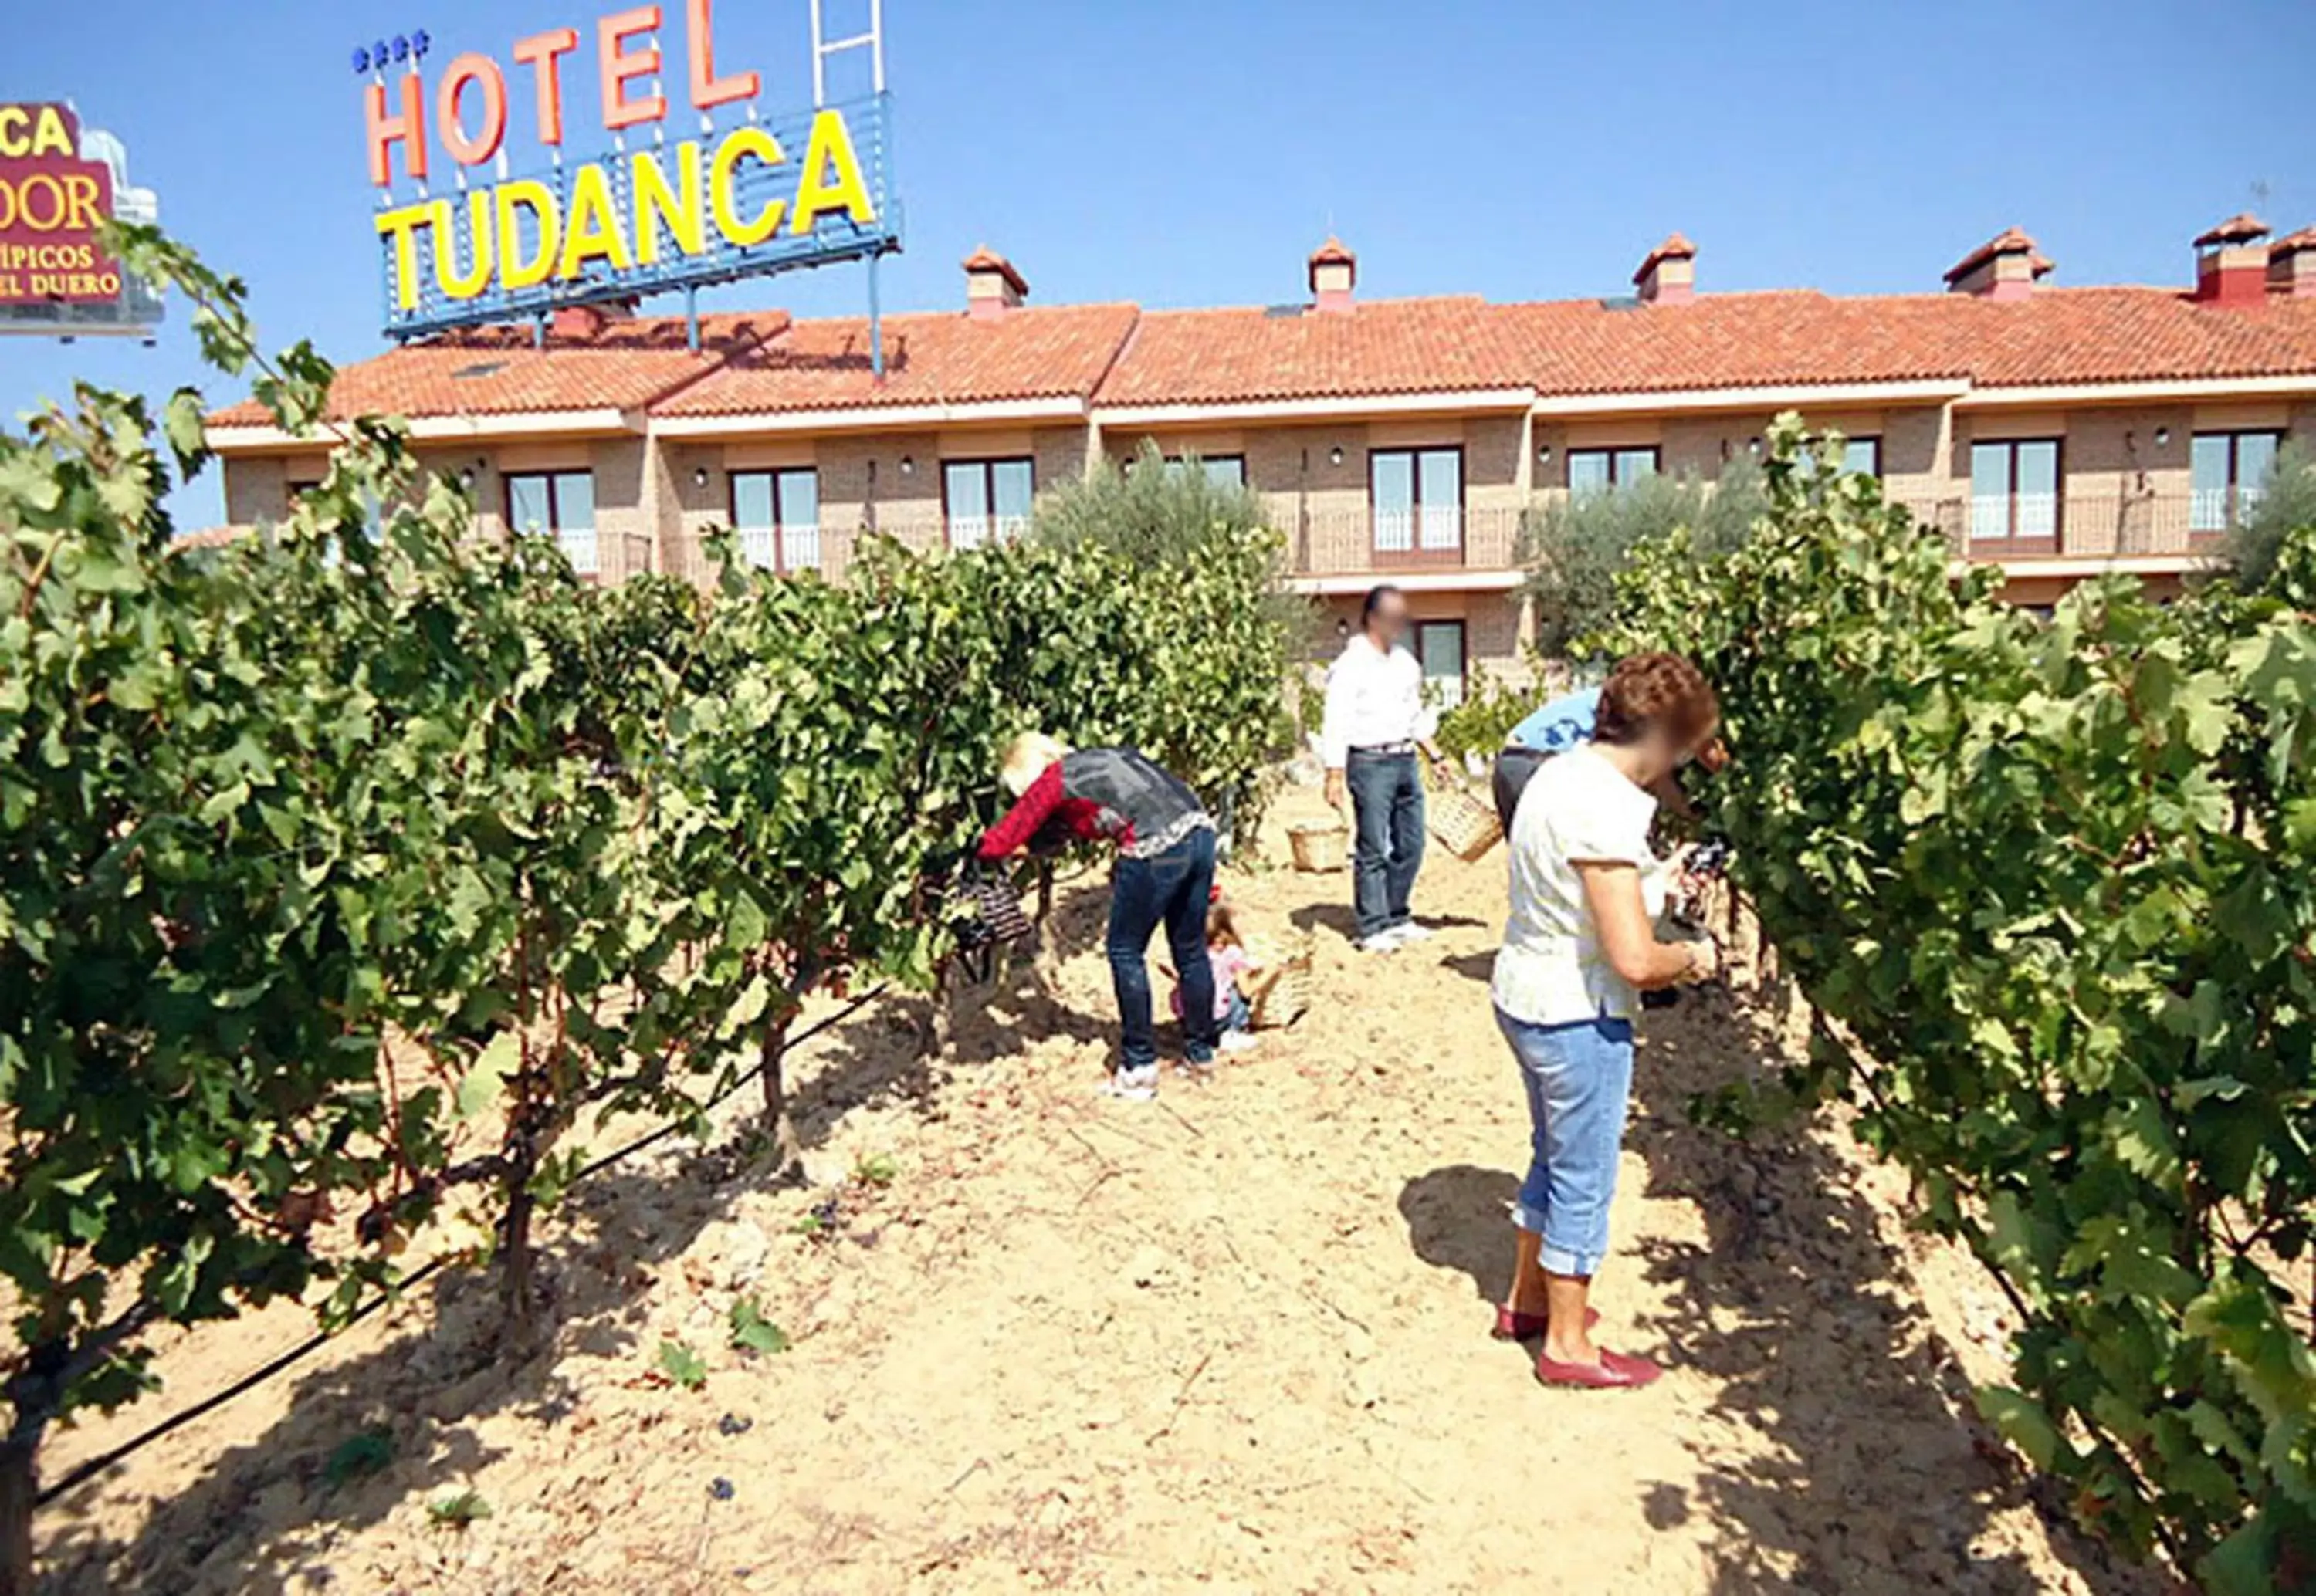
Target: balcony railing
pixel 972 532
pixel 2081 523
pixel 1351 542
pixel 606 556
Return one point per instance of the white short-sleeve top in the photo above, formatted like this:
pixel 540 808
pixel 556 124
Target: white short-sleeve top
pixel 1551 970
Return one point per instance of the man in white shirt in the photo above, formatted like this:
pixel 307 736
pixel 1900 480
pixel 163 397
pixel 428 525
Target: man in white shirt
pixel 1376 722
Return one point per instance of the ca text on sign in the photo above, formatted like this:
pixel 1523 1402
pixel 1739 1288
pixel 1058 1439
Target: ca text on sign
pixel 51 204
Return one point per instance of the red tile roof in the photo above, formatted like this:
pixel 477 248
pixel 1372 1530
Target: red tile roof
pixel 2118 334
pixel 1804 339
pixel 1333 252
pixel 1117 357
pixel 206 539
pixel 1031 352
pixel 2292 243
pixel 1384 346
pixel 1584 346
pixel 496 370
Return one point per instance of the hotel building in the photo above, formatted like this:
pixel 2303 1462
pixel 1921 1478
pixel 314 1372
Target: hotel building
pixel 2060 431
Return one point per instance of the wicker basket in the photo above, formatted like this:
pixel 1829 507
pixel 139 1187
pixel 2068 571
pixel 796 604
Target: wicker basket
pixel 1319 844
pixel 1285 1000
pixel 1465 826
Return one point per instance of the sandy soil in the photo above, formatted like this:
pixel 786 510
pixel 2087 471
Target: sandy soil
pixel 1233 1340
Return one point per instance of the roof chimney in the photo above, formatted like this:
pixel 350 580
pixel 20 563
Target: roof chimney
pixel 2006 266
pixel 992 286
pixel 2292 265
pixel 1668 276
pixel 1334 271
pixel 2231 266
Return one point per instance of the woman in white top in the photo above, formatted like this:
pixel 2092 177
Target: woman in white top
pixel 1579 947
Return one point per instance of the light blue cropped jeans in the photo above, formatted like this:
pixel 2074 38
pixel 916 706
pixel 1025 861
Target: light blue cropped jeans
pixel 1580 1081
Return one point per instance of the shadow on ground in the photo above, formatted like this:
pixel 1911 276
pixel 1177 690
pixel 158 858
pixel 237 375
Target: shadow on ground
pixel 1803 1321
pixel 1339 918
pixel 1480 967
pixel 426 1391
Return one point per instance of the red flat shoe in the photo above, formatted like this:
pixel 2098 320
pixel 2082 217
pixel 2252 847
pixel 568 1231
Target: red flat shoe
pixel 1614 1373
pixel 1520 1326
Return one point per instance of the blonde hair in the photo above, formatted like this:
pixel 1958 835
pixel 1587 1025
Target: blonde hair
pixel 1026 760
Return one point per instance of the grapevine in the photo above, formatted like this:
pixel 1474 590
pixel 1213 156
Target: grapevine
pixel 2049 883
pixel 359 869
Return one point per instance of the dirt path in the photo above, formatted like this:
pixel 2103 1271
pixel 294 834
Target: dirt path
pixel 1234 1340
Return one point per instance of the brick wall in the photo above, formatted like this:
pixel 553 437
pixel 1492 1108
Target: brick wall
pixel 626 522
pixel 690 508
pixel 255 490
pixel 864 485
pixel 1059 454
pixel 1917 451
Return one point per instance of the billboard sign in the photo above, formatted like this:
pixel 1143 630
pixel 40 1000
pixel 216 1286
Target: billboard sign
pixel 658 210
pixel 58 183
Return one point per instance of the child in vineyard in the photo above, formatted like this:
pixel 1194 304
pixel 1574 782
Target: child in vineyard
pixel 1239 980
pixel 1165 875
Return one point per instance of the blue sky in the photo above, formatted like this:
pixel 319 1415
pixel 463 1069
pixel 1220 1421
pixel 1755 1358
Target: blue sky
pixel 1194 152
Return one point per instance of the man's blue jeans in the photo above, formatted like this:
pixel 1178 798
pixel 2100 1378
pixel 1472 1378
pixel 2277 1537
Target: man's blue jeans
pixel 1169 889
pixel 1387 801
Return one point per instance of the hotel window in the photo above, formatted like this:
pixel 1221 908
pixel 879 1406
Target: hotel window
pixel 1860 456
pixel 2014 493
pixel 2228 471
pixel 1440 647
pixel 1417 498
pixel 1593 471
pixel 986 501
pixel 776 514
pixel 559 502
pixel 1225 471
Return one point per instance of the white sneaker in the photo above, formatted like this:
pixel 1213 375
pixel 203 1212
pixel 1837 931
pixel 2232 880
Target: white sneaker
pixel 1408 931
pixel 1237 1042
pixel 1134 1086
pixel 1382 941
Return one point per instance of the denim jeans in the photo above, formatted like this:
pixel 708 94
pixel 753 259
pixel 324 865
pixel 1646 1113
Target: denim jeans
pixel 1169 889
pixel 1387 802
pixel 1580 1079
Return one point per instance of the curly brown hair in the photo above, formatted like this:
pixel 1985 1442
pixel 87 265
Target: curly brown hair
pixel 1651 690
